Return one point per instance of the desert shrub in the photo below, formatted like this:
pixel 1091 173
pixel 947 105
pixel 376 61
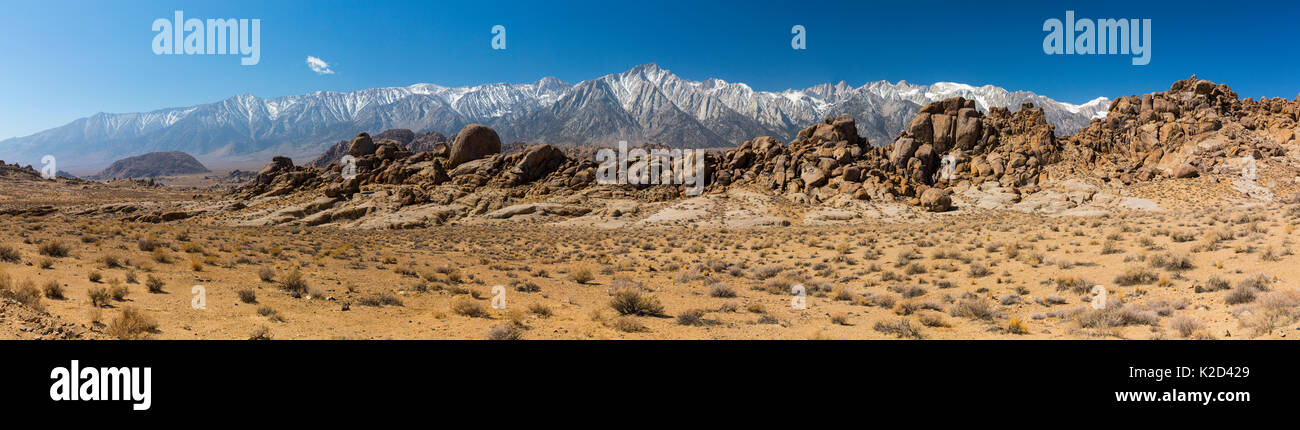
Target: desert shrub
pixel 98 296
pixel 266 274
pixel 95 276
pixel 27 294
pixel 53 290
pixel 840 319
pixel 722 291
pixel 581 275
pixel 979 270
pixel 767 272
pixel 294 283
pixel 248 296
pixel 118 292
pixel 1239 295
pixel 1259 282
pixel 1172 262
pixel 527 286
pixel 973 308
pixel 691 317
pixel 381 299
pixel 53 248
pixel 1111 247
pixel 1215 283
pixel 1183 236
pixel 540 310
pixel 1054 300
pixel 147 244
pixel 466 306
pixel 884 300
pixel 9 254
pixel 901 328
pixel 915 269
pixel 933 319
pixel 131 324
pixel 628 301
pixel 505 332
pixel 1131 314
pixel 1016 326
pixel 153 284
pixel 909 291
pixel 111 261
pixel 1185 325
pixel 626 324
pixel 1135 275
pixel 161 256
pixel 260 333
pixel 1116 314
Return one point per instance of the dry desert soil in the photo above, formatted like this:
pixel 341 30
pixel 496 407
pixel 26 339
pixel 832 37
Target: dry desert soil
pixel 1184 266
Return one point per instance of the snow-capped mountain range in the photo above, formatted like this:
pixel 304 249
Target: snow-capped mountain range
pixel 644 104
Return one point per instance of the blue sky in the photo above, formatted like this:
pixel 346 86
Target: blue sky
pixel 67 59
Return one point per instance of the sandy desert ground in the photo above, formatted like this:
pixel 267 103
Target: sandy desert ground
pixel 1225 271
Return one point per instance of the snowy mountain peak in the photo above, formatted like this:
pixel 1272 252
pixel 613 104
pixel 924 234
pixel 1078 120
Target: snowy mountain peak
pixel 644 103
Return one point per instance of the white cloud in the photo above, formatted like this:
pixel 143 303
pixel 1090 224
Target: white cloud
pixel 319 66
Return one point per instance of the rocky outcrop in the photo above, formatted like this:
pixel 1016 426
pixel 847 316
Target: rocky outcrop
pixel 947 143
pixel 1186 131
pixel 152 165
pixel 950 154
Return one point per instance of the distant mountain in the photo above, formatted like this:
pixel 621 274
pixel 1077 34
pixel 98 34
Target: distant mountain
pixel 151 165
pixel 644 104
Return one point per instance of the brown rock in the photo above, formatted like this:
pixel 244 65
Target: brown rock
pixel 473 142
pixel 936 200
pixel 361 145
pixel 921 128
pixel 1185 171
pixel 813 176
pixel 538 161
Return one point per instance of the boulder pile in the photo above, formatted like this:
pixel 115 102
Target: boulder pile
pixel 1189 130
pixel 947 143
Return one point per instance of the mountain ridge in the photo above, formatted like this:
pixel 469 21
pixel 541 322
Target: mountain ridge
pixel 643 104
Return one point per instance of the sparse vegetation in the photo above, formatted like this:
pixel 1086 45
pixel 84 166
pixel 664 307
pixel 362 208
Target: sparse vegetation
pixel 628 301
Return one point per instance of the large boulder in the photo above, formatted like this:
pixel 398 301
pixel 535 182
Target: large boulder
pixel 473 142
pixel 936 200
pixel 1185 171
pixel 361 145
pixel 537 161
pixel 903 149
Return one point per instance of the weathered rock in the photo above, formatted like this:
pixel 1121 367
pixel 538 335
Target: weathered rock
pixel 474 142
pixel 813 176
pixel 1185 171
pixel 936 200
pixel 537 161
pixel 361 145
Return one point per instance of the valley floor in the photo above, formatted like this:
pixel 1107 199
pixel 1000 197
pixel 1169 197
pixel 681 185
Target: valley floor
pixel 1222 273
